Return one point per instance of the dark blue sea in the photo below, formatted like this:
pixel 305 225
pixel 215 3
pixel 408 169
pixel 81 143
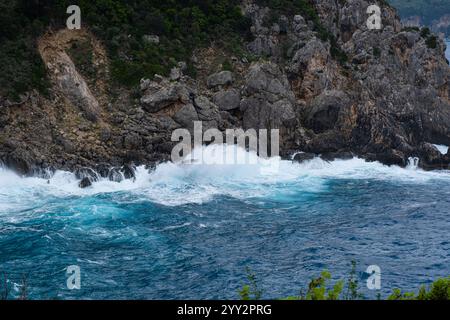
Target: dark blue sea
pixel 190 231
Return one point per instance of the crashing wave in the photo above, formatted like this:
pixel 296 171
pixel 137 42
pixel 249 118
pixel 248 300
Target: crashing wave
pixel 177 183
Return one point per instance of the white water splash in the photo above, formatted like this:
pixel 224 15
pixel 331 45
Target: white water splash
pixel 442 149
pixel 413 163
pixel 177 184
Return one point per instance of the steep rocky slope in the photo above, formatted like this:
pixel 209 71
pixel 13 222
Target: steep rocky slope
pixel 330 85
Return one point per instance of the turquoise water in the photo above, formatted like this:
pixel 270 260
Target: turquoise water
pixel 189 231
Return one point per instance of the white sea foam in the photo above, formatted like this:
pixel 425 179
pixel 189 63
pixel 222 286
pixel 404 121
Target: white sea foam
pixel 442 149
pixel 176 184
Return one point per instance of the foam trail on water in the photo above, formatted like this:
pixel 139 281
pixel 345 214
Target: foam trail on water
pixel 177 184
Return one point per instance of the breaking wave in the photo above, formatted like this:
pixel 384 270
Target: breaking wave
pixel 177 184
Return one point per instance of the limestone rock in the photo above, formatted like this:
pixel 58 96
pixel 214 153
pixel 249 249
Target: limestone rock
pixel 227 99
pixel 222 78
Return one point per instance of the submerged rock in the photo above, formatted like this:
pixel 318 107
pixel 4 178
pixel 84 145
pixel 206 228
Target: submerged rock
pixel 18 163
pixel 430 158
pixel 302 157
pixel 115 175
pixel 85 182
pixel 89 173
pixel 342 155
pixel 128 171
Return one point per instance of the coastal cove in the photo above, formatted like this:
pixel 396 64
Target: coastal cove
pixel 189 232
pixel 224 149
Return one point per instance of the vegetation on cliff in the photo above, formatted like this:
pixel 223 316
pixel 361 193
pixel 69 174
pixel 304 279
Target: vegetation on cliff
pixel 122 25
pixel 124 28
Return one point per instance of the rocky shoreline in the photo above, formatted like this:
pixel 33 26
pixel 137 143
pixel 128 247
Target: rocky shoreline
pixel 382 95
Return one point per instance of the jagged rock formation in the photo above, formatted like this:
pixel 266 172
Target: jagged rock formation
pixel 383 95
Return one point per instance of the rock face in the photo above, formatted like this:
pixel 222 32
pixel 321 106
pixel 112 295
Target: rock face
pixel 158 96
pixel 383 95
pixel 66 77
pixel 227 100
pixel 268 101
pixel 222 78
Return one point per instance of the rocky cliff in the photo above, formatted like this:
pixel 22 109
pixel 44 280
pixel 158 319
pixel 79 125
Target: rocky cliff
pixel 332 86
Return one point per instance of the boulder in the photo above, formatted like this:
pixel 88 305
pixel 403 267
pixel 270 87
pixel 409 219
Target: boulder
pixel 207 112
pixel 341 155
pixel 186 116
pixel 431 158
pixel 222 78
pixel 85 183
pixel 160 96
pixel 227 100
pixel 85 172
pixel 115 175
pixel 19 162
pixel 389 157
pixel 302 157
pixel 128 171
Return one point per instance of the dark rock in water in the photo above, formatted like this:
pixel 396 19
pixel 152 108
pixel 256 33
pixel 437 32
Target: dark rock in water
pixel 128 171
pixel 82 173
pixel 151 167
pixel 389 157
pixel 44 173
pixel 302 157
pixel 102 170
pixel 115 175
pixel 430 158
pixel 331 156
pixel 85 182
pixel 18 164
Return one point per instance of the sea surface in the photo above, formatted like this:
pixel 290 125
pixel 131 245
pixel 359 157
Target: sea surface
pixel 190 231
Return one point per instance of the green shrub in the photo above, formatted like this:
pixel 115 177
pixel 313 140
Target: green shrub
pixel 320 289
pixel 425 32
pixel 431 42
pixel 120 24
pixel 438 290
pixel 250 291
pixel 377 52
pixel 227 66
